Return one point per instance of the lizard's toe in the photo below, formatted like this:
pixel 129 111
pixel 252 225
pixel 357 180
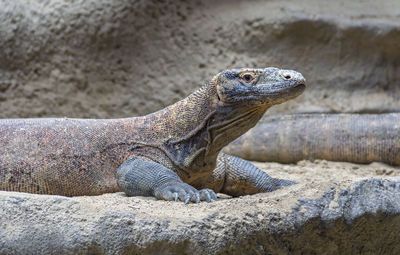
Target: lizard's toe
pixel 207 194
pixel 276 183
pixel 188 196
pixel 175 191
pixel 282 182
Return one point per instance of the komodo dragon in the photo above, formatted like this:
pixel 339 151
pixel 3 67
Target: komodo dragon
pixel 172 154
pixel 357 138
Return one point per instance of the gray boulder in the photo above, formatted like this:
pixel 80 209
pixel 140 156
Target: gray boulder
pixel 315 216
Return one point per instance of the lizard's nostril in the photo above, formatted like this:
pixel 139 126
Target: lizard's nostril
pixel 287 76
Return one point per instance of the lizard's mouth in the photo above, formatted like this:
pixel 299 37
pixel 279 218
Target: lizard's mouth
pixel 297 88
pixel 291 89
pixel 281 95
pixel 301 85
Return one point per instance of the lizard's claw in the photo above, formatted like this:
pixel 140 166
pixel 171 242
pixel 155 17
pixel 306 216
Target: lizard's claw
pixel 183 192
pixel 208 194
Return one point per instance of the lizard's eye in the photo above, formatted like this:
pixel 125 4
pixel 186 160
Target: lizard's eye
pixel 248 77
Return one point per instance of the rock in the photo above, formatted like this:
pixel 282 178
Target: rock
pixel 339 211
pixel 104 59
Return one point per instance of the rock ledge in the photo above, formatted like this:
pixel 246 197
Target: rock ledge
pixel 358 214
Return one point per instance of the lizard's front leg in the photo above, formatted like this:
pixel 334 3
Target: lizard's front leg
pixel 140 177
pixel 244 178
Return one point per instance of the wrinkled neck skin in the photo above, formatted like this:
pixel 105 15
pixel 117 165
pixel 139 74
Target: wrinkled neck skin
pixel 209 126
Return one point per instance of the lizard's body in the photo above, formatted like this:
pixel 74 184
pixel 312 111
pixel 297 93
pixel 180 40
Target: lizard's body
pixel 158 154
pixel 47 155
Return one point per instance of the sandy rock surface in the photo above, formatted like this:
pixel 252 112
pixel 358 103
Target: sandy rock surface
pixel 101 58
pixel 334 209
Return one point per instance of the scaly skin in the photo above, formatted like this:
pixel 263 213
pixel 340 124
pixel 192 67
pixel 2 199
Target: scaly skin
pixel 171 154
pixel 358 138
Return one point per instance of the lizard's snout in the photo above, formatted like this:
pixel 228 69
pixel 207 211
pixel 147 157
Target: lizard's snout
pixel 293 76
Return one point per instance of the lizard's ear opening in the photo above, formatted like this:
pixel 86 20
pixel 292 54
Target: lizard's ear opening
pixel 217 82
pixel 222 92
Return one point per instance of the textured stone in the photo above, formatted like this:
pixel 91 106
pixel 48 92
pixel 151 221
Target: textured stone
pixel 346 209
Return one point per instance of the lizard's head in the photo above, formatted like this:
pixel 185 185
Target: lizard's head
pixel 264 87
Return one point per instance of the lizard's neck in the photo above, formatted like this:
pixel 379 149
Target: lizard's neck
pixel 203 125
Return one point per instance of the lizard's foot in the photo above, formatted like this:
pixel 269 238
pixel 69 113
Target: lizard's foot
pixel 275 183
pixel 183 192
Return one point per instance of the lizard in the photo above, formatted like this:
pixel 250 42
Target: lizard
pixel 357 138
pixel 172 154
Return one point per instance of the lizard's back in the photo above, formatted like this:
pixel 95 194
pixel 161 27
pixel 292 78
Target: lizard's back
pixel 62 156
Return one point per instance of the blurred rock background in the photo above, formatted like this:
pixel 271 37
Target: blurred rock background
pixel 109 59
